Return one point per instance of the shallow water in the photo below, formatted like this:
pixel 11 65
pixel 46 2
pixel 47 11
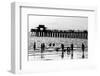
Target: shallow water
pixel 56 55
pixel 35 55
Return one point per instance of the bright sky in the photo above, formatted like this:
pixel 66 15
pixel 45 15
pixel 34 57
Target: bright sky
pixel 60 23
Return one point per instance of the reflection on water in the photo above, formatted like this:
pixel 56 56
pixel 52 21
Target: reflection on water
pixel 53 49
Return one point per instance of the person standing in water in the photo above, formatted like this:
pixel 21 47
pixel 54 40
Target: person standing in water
pixel 34 46
pixel 42 49
pixel 71 51
pixel 83 47
pixel 62 47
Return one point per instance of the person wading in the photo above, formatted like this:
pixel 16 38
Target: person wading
pixel 83 47
pixel 71 51
pixel 42 49
pixel 34 46
pixel 62 47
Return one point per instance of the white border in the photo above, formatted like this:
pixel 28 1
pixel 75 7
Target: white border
pixel 16 61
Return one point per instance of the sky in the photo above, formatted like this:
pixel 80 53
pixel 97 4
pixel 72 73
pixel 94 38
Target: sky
pixel 59 23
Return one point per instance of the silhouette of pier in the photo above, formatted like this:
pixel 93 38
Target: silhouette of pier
pixel 42 31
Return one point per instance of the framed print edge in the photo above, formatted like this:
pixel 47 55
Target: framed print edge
pixel 17 35
pixel 15 38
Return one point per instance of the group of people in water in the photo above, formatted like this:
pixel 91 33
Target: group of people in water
pixel 63 49
pixel 70 50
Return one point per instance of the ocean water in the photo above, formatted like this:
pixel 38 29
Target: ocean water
pixel 51 54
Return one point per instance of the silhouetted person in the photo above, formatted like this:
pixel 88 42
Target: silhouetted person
pixel 71 51
pixel 62 47
pixel 50 45
pixel 42 49
pixel 53 44
pixel 83 47
pixel 57 49
pixel 34 46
